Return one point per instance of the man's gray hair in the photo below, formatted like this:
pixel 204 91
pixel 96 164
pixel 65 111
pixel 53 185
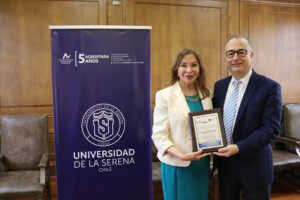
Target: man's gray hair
pixel 240 37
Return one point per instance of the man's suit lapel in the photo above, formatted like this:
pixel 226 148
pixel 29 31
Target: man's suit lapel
pixel 248 93
pixel 179 100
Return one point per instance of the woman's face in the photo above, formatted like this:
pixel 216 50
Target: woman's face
pixel 188 69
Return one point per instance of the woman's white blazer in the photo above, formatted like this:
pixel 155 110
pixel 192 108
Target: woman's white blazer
pixel 170 123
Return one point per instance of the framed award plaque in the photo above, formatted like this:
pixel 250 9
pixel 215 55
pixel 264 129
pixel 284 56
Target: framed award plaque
pixel 207 130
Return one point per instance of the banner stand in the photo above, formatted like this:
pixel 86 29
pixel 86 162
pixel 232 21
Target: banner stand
pixel 102 112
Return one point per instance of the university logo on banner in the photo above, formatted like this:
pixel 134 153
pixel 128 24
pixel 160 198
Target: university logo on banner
pixel 103 125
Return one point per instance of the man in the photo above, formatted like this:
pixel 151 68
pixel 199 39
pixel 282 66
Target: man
pixel 252 109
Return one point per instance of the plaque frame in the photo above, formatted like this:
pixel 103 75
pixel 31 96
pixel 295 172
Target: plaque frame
pixel 212 115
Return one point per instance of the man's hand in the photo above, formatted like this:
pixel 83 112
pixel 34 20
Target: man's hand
pixel 228 151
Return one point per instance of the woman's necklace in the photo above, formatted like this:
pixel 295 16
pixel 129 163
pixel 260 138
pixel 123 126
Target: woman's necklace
pixel 192 100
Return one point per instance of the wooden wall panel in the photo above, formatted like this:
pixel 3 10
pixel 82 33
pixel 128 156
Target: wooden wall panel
pixel 233 17
pixel 25 72
pixel 25 52
pixel 178 24
pixel 275 34
pixel 116 12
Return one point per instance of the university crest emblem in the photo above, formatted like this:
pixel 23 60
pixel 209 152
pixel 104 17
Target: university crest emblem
pixel 103 125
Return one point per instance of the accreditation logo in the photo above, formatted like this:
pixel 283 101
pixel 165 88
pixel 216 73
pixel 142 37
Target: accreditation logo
pixel 103 125
pixel 66 59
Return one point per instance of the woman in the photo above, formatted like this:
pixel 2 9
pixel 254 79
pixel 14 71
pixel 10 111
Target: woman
pixel 185 174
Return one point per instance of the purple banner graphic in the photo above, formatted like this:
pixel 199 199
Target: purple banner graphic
pixel 102 113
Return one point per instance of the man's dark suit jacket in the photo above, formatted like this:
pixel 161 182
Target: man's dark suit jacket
pixel 257 125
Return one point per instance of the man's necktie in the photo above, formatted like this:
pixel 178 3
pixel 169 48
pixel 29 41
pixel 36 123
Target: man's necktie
pixel 230 110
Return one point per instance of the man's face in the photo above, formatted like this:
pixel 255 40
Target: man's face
pixel 239 63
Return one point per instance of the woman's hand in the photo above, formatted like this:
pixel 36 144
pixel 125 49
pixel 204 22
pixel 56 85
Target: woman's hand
pixel 194 155
pixel 188 156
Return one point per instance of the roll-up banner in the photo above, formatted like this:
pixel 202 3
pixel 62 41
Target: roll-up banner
pixel 102 112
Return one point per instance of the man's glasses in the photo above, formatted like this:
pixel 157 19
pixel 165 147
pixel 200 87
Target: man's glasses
pixel 241 53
